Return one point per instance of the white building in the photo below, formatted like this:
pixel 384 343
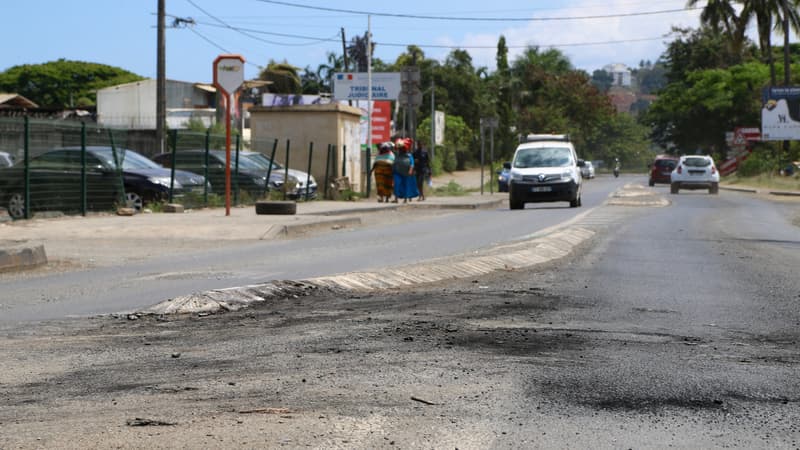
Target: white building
pixel 133 105
pixel 620 73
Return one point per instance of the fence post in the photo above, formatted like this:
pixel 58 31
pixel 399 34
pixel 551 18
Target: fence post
pixel 173 144
pixel 286 170
pixel 368 170
pixel 27 172
pixel 310 157
pixel 84 203
pixel 271 162
pixel 118 167
pixel 344 160
pixel 236 173
pixel 205 166
pixel 327 170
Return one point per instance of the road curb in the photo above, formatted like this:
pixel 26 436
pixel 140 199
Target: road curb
pixel 785 193
pixel 516 256
pixel 293 230
pixel 738 189
pixel 21 256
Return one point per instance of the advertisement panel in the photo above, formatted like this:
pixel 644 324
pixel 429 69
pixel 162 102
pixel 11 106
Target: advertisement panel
pixel 780 113
pixel 381 121
pixel 439 124
pixel 355 86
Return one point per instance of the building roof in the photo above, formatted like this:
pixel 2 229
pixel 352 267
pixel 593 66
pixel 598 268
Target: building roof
pixel 15 100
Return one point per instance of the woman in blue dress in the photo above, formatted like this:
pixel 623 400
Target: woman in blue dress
pixel 405 182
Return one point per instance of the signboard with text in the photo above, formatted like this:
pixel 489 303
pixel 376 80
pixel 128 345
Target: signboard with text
pixel 355 86
pixel 228 73
pixel 780 113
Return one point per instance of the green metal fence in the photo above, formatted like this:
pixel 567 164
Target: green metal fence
pixel 77 168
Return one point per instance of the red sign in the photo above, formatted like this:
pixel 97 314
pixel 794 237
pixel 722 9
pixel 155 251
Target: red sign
pixel 381 121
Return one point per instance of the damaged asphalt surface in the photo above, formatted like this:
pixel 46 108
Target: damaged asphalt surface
pixel 584 351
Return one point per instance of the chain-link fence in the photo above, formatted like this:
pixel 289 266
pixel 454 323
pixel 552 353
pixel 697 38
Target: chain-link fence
pixel 77 168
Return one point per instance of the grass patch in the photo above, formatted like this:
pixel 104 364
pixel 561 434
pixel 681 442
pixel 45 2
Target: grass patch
pixel 765 181
pixel 451 189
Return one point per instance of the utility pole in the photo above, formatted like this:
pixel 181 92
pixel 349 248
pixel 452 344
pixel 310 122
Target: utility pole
pixel 161 79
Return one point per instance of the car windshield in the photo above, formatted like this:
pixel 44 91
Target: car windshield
pixel 665 163
pixel 543 157
pixel 262 160
pixel 130 159
pixel 244 161
pixel 697 162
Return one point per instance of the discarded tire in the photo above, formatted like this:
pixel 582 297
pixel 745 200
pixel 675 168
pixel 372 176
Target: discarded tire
pixel 276 207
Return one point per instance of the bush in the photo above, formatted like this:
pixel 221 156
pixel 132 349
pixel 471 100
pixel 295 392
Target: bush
pixel 756 164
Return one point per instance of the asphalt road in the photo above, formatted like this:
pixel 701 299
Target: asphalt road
pixel 674 327
pixel 167 274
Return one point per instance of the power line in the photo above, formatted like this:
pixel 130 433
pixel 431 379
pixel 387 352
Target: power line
pixel 468 47
pixel 480 19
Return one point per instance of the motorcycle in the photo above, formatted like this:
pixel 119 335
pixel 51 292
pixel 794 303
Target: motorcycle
pixel 616 171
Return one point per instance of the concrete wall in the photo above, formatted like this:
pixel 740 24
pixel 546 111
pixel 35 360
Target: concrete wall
pixel 301 125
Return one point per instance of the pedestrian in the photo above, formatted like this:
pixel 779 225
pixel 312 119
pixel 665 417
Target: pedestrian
pixel 405 183
pixel 383 167
pixel 422 169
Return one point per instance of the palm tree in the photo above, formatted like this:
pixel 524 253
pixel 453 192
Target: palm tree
pixel 284 78
pixel 789 20
pixel 716 13
pixel 326 70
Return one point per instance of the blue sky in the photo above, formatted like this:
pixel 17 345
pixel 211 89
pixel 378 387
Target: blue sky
pixel 123 33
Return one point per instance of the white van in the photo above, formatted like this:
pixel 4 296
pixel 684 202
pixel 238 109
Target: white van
pixel 545 168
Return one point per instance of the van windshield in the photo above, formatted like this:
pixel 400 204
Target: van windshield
pixel 543 157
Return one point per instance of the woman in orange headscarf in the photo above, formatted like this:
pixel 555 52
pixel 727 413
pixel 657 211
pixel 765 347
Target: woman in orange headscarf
pixel 405 182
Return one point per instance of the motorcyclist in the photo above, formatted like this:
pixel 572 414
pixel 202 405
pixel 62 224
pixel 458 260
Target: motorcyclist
pixel 616 167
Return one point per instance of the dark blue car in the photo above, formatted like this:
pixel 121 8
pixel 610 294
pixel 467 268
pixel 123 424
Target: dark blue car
pixel 503 176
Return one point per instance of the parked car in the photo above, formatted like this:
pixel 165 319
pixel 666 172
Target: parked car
pixel 251 176
pixel 297 178
pixel 695 172
pixel 545 168
pixel 661 169
pixel 503 176
pixel 587 171
pixel 55 181
pixel 6 160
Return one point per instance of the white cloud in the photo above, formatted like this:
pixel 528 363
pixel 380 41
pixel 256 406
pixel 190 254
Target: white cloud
pixel 590 57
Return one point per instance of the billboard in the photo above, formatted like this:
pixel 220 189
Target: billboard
pixel 780 113
pixel 355 86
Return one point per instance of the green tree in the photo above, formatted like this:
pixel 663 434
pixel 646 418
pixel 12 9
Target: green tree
pixel 326 70
pixel 458 138
pixel 63 83
pixel 696 113
pixel 284 78
pixel 357 51
pixel 602 80
pixel 500 84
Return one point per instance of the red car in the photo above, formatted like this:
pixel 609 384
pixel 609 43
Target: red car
pixel 661 169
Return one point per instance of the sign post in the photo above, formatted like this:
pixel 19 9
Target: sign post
pixel 228 76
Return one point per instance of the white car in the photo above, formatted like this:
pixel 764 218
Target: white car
pixel 587 171
pixel 695 172
pixel 545 168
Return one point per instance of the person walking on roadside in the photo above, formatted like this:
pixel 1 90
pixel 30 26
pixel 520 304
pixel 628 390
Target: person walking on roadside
pixel 405 183
pixel 422 169
pixel 383 167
